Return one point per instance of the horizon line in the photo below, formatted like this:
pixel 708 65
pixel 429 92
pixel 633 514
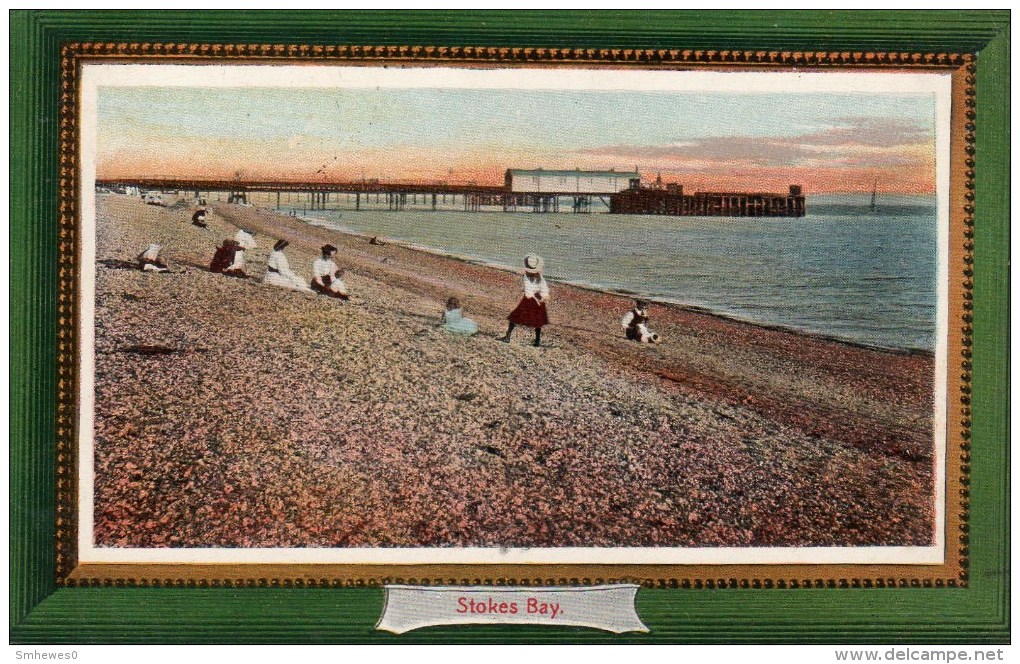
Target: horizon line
pixel 120 179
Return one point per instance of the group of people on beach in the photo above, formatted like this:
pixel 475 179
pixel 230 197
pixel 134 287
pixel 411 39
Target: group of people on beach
pixel 229 260
pixel 532 311
pixel 328 279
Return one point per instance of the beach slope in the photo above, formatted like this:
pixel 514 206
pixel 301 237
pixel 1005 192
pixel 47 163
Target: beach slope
pixel 235 414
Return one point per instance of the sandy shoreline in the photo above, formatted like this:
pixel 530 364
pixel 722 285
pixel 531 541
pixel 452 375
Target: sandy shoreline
pixel 284 419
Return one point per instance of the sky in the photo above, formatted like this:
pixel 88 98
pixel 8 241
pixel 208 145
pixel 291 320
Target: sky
pixel 831 142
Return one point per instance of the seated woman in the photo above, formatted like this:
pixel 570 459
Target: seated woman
pixel 236 267
pixel 278 272
pixel 326 276
pixel 148 260
pixel 454 321
pixel 198 219
pixel 229 260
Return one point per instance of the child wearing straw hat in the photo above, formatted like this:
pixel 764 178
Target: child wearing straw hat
pixel 531 310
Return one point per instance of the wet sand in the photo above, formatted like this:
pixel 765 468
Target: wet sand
pixel 276 418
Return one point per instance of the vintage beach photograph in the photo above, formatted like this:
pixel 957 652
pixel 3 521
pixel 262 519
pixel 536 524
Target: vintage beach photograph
pixel 427 308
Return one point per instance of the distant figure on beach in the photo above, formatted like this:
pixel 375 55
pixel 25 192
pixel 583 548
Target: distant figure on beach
pixel 148 260
pixel 229 259
pixel 278 272
pixel 327 277
pixel 635 324
pixel 531 310
pixel 245 238
pixel 198 219
pixel 376 241
pixel 454 321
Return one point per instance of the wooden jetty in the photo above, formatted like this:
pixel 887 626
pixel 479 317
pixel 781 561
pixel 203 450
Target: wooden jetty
pixel 534 191
pixel 672 201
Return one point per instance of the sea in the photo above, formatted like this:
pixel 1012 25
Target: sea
pixel 843 271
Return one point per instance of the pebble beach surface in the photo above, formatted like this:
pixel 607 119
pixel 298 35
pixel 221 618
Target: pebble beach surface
pixel 235 414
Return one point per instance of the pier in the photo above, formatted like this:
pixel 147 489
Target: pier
pixel 537 191
pixel 672 201
pixel 318 195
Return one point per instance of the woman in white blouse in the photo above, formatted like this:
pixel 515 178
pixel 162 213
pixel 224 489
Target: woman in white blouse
pixel 326 276
pixel 278 272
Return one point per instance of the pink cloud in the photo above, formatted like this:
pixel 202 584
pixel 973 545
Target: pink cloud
pixel 879 142
pixel 899 152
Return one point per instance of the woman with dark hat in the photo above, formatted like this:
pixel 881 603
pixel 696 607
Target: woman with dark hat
pixel 531 310
pixel 278 272
pixel 325 272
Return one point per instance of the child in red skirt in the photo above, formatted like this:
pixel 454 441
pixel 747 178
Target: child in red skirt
pixel 531 310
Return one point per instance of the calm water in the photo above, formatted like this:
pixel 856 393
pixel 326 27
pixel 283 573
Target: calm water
pixel 841 271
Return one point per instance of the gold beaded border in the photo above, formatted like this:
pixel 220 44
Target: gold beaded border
pixel 967 314
pixel 67 317
pixel 515 54
pixel 954 573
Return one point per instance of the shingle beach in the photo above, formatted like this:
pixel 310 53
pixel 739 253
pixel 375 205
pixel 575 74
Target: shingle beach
pixel 235 414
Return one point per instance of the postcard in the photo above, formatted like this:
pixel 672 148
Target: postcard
pixel 589 317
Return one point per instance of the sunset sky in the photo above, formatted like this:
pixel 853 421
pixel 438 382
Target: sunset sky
pixel 827 142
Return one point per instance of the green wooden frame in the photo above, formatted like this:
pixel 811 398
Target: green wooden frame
pixel 43 612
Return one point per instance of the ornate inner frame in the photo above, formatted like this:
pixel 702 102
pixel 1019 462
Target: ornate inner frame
pixel 953 571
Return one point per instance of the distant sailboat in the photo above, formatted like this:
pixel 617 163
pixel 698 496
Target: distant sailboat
pixel 874 196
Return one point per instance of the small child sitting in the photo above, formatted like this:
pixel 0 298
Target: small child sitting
pixel 635 322
pixel 454 321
